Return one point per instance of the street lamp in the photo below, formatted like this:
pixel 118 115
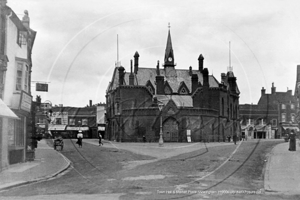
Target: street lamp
pixel 161 141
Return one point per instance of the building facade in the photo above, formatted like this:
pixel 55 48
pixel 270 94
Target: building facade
pixel 67 121
pixel 273 116
pixel 16 43
pixel 194 103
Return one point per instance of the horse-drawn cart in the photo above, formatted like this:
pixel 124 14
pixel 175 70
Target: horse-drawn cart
pixel 58 142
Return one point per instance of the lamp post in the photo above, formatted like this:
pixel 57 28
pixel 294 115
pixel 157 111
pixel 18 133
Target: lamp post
pixel 161 141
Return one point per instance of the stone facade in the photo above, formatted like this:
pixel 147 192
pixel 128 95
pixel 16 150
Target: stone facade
pixel 193 101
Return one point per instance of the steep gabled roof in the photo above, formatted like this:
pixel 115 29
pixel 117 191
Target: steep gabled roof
pixel 179 100
pixel 145 74
pixel 273 99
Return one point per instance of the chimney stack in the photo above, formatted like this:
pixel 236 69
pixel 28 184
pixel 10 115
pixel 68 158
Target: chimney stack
pixel 194 82
pixel 136 62
pixel 205 78
pixel 121 75
pixel 157 69
pixel 263 91
pixel 223 77
pixel 159 84
pixel 200 59
pixel 131 76
pixel 91 103
pixel 190 71
pixel 273 89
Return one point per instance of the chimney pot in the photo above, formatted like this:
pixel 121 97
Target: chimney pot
pixel 136 62
pixel 200 59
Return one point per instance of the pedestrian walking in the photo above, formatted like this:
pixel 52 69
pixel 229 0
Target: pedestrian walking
pixel 100 139
pixel 79 139
pixel 234 138
pixel 243 137
pixel 228 137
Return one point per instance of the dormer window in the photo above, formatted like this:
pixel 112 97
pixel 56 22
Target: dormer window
pixel 168 90
pixel 183 88
pixel 150 87
pixel 21 38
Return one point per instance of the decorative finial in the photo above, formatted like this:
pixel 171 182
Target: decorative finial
pixel 169 26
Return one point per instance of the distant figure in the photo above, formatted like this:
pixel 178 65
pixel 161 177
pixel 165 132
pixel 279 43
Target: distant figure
pixel 79 139
pixel 144 138
pixel 234 138
pixel 228 137
pixel 243 137
pixel 292 146
pixel 100 139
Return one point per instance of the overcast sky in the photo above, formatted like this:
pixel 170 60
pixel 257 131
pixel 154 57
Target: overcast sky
pixel 76 44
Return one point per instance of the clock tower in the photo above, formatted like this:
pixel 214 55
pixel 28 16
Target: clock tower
pixel 169 55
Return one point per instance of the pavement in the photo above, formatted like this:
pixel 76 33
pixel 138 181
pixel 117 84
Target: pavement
pixel 282 174
pixel 47 164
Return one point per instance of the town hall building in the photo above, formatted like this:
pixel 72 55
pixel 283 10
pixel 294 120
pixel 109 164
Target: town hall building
pixel 184 103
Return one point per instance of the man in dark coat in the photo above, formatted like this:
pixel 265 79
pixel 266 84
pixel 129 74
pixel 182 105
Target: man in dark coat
pixel 292 146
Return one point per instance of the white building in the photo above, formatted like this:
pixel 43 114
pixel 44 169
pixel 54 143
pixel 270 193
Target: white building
pixel 16 42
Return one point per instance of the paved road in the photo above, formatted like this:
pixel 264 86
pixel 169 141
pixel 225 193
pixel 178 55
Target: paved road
pixel 108 171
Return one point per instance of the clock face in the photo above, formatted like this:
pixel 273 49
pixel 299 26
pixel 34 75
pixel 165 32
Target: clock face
pixel 170 59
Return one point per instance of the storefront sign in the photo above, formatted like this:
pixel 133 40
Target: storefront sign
pixel 74 128
pixel 25 101
pixel 41 87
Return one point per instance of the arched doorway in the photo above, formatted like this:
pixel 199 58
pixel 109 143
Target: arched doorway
pixel 170 130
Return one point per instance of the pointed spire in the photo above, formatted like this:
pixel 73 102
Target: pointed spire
pixel 169 55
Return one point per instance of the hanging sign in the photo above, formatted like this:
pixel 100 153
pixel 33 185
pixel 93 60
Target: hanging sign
pixel 41 87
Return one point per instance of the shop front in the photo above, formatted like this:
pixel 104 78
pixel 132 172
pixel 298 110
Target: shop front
pixel 73 131
pixel 18 131
pixel 56 130
pixel 7 117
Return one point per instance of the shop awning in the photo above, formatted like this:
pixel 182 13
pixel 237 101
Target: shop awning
pixel 6 112
pixel 260 127
pixel 76 128
pixel 291 128
pixel 101 128
pixel 57 127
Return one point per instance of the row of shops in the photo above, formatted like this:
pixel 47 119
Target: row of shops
pixel 67 131
pixel 267 131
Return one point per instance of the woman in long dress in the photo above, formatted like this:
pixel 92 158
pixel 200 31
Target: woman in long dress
pixel 79 139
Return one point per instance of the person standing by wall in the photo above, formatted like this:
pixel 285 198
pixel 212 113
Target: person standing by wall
pixel 100 138
pixel 292 146
pixel 79 138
